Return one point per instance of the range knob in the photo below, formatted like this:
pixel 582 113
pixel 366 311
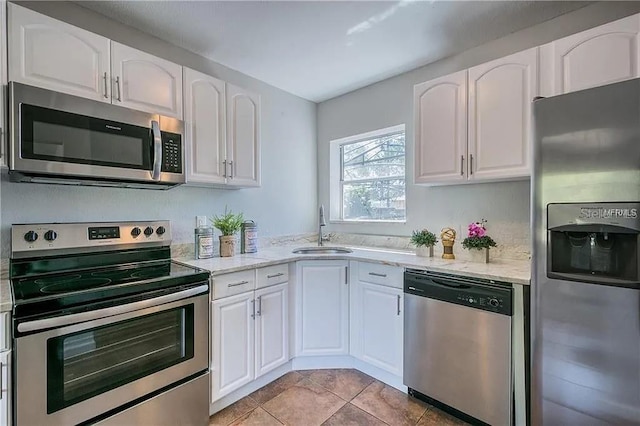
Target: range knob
pixel 50 235
pixel 148 231
pixel 160 230
pixel 135 232
pixel 30 236
pixel 494 302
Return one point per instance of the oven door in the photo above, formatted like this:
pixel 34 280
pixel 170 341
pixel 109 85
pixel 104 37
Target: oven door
pixel 74 373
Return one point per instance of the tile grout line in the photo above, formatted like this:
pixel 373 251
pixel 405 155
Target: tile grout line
pixel 361 408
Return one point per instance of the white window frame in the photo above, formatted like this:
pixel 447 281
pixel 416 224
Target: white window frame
pixel 335 173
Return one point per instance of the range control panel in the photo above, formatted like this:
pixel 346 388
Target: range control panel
pixel 40 238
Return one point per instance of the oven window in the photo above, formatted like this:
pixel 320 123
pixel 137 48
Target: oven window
pixel 91 362
pixel 72 138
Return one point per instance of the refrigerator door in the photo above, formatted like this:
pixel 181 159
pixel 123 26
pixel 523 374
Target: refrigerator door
pixel 585 336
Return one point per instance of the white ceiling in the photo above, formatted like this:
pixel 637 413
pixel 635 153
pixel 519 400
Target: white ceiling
pixel 321 49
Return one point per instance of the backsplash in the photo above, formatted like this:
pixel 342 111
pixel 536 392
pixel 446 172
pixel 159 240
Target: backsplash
pixel 513 239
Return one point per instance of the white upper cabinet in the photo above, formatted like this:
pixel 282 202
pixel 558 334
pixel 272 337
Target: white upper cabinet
pixel 48 53
pixel 243 133
pixel 204 117
pixel 500 95
pixel 599 56
pixel 222 133
pixel 145 82
pixel 440 128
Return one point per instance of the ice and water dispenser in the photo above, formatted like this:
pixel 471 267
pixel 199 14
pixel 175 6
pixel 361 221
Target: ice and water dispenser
pixel 594 243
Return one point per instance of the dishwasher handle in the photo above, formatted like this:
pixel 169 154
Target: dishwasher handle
pixel 451 284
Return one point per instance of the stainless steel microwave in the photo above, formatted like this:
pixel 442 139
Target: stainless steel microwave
pixel 60 138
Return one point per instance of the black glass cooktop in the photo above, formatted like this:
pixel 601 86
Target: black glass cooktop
pixel 62 291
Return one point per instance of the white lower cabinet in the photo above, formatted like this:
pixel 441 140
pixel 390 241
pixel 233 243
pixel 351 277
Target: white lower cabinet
pixel 250 332
pixel 272 328
pixel 322 308
pixel 377 317
pixel 5 388
pixel 233 343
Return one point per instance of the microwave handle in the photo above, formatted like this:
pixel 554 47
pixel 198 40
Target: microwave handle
pixel 157 150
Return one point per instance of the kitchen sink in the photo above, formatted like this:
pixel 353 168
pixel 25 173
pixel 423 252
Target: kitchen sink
pixel 321 250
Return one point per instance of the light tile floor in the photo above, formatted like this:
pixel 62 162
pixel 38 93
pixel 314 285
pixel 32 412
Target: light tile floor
pixel 341 397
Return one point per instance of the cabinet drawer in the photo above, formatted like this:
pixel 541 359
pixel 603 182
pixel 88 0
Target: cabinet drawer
pixel 234 283
pixel 5 331
pixel 377 273
pixel 272 275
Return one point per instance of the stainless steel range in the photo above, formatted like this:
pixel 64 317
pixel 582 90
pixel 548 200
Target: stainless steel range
pixel 107 329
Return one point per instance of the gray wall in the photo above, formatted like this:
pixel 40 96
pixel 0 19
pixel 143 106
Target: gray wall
pixel 390 102
pixel 284 205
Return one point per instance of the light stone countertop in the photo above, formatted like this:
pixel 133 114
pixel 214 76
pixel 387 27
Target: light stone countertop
pixel 513 271
pixel 6 299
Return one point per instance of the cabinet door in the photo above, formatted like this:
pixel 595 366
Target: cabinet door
pixel 440 128
pixel 500 96
pixel 204 121
pixel 322 308
pixel 232 329
pixel 3 83
pixel 145 82
pixel 272 328
pixel 379 321
pixel 48 53
pixel 243 134
pixel 5 388
pixel 595 57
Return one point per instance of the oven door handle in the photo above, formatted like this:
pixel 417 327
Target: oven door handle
pixel 57 322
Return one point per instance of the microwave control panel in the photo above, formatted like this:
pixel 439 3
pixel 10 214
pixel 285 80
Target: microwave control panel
pixel 171 153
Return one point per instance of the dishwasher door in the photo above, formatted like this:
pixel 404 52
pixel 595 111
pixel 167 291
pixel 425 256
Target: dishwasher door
pixel 459 356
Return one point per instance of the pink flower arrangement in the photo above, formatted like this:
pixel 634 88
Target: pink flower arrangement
pixel 476 229
pixel 477 237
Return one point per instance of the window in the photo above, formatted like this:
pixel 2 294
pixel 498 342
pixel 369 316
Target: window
pixel 368 176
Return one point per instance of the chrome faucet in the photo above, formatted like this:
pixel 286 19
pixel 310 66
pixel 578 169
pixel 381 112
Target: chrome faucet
pixel 321 223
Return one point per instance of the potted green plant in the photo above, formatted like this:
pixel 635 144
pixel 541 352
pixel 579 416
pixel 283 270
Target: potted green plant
pixel 229 224
pixel 424 240
pixel 478 242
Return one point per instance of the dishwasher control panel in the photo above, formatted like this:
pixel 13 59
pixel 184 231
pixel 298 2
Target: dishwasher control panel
pixel 491 301
pixel 474 293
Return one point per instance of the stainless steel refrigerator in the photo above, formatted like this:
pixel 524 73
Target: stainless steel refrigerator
pixel 585 359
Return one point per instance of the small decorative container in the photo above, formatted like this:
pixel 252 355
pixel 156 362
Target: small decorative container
pixel 204 243
pixel 479 255
pixel 227 245
pixel 424 251
pixel 249 237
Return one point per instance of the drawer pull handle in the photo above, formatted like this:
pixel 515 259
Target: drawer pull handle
pixel 237 284
pixel 398 305
pixel 375 274
pixel 279 274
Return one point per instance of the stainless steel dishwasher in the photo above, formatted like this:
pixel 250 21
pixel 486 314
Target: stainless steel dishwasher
pixel 457 345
